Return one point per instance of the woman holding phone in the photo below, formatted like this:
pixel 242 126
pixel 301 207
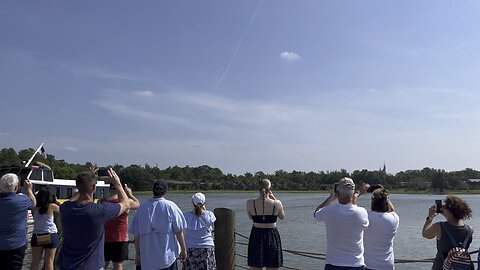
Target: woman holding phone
pixel 264 245
pixel 378 236
pixel 455 210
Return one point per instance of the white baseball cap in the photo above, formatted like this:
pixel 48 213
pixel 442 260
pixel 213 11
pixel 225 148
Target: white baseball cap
pixel 198 199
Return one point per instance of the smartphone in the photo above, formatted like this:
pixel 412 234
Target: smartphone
pixel 372 188
pixel 103 172
pixel 335 187
pixel 438 204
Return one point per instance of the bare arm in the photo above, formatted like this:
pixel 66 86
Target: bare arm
pixel 248 210
pixel 28 187
pixel 134 202
pixel 391 208
pixel 328 201
pixel 181 241
pixel 55 208
pixel 430 231
pixel 281 212
pixel 362 190
pixel 122 196
pixel 278 204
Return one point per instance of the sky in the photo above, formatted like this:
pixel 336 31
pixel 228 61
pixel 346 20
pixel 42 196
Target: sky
pixel 244 86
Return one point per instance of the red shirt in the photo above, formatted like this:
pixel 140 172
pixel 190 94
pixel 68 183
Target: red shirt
pixel 116 229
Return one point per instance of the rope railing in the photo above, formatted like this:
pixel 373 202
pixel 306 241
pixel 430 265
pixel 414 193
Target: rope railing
pixel 321 256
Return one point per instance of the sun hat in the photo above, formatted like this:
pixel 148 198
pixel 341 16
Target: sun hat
pixel 198 199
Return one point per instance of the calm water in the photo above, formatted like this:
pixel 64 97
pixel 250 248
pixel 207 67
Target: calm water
pixel 300 232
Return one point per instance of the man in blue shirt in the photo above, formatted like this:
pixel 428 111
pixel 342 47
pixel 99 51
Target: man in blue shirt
pixel 83 224
pixel 158 227
pixel 13 221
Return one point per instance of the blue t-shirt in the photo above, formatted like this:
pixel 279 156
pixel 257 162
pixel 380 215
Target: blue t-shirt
pixel 13 220
pixel 83 234
pixel 199 230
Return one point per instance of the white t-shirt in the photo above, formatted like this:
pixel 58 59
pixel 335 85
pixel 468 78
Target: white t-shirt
pixel 378 240
pixel 345 225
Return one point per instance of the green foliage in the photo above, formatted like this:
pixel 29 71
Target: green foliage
pixel 207 178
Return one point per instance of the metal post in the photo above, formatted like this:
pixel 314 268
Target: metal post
pixel 224 238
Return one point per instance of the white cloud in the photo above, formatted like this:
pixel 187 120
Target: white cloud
pixel 71 149
pixel 289 56
pixel 135 113
pixel 145 93
pixel 204 114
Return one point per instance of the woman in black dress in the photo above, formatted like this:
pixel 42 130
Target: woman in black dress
pixel 264 245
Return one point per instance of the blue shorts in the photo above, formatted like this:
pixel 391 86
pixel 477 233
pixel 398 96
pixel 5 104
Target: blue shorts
pixel 53 240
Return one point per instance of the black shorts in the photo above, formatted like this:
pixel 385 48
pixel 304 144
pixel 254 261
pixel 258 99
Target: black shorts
pixel 53 240
pixel 116 251
pixel 13 258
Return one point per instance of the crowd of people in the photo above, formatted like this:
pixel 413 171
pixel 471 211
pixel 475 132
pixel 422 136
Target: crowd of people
pixel 96 233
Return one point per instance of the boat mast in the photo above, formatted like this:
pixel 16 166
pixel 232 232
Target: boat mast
pixel 30 160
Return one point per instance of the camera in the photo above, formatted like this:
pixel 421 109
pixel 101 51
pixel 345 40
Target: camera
pixel 103 172
pixel 438 204
pixel 372 188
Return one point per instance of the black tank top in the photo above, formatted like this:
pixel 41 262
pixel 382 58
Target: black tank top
pixel 264 218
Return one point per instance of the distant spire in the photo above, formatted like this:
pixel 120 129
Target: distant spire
pixel 384 167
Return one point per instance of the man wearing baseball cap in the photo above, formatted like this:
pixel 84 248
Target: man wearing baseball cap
pixel 158 227
pixel 345 223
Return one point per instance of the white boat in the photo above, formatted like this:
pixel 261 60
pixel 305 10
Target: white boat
pixel 41 175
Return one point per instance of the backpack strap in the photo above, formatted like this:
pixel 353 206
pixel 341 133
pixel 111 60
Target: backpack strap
pixel 450 236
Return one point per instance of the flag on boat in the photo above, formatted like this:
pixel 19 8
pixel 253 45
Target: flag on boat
pixel 42 152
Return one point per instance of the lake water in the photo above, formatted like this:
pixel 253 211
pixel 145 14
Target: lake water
pixel 299 231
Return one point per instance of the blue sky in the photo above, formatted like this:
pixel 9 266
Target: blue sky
pixel 244 86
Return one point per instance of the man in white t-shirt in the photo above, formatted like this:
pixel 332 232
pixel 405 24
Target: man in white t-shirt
pixel 378 238
pixel 345 223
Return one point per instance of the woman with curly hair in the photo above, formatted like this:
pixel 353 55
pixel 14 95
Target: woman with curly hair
pixel 455 211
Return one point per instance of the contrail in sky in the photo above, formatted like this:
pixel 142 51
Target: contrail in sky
pixel 238 45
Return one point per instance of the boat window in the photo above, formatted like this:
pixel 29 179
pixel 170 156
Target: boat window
pixel 47 175
pixel 69 193
pixel 57 192
pixel 36 174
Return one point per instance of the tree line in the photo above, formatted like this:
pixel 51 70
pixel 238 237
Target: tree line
pixel 207 178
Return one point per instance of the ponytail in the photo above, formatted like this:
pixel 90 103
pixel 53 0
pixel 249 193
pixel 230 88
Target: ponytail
pixel 199 209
